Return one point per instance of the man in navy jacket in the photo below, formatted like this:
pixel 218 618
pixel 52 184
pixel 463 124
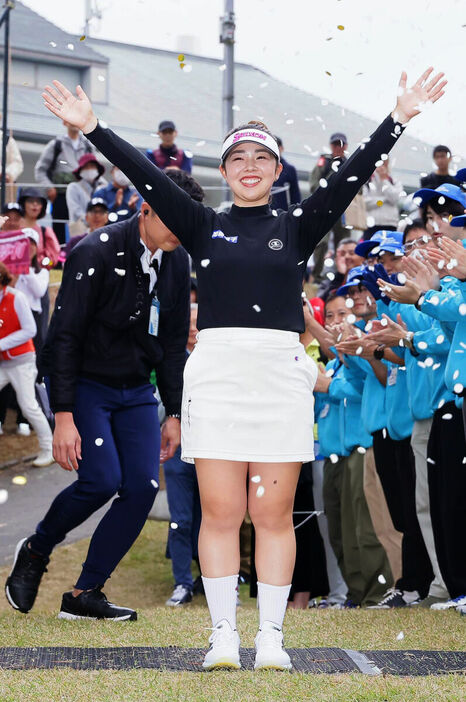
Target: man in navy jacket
pixel 122 310
pixel 288 176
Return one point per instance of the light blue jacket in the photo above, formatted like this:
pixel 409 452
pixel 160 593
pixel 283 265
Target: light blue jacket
pixel 327 412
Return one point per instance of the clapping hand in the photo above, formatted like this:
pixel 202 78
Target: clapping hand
pixel 388 332
pixel 411 101
pixel 453 256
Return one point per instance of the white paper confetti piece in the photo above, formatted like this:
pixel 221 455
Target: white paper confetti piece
pixel 154 483
pixel 351 319
pixel 352 179
pixel 361 449
pixel 112 217
pixel 349 302
pixel 359 350
pixel 91 271
pixel 46 261
pixel 400 636
pixel 256 308
pixel 383 322
pixel 422 345
pixel 402 278
pixel 330 276
pixel 431 460
pixel 333 457
pixel 458 388
pixel 297 212
pixel 104 237
pixel 462 309
pixel 173 525
pixel 260 491
pixel 447 416
pixel 3 496
pixel 381 579
pixel 255 479
pixel 323 183
pixel 384 433
pixel 120 271
pixel 222 67
pixel 19 480
pixel 205 262
pixel 99 442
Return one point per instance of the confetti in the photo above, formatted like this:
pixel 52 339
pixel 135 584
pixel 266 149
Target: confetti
pixel 201 142
pixel 333 457
pixel 458 388
pixel 456 374
pixel 384 433
pixel 120 271
pixel 370 221
pixel 3 496
pixel 300 263
pixel 148 187
pixel 289 121
pixel 429 362
pixel 340 27
pixel 381 579
pixel 222 67
pixel 19 480
pixel 440 339
pixel 330 275
pixel 400 636
pixel 52 44
pixel 349 302
pixel 441 200
pixel 79 276
pixel 402 278
pixel 384 322
pixel 436 366
pixel 260 491
pixel 188 153
pixel 422 345
pixel 255 479
pixel 359 350
pixel 91 271
pixel 154 483
pixel 462 309
pixel 46 261
pixel 330 372
pixel 323 183
pixel 205 262
pixel 351 319
pixel 297 212
pixel 275 213
pixel 180 57
pixel 99 441
pixel 82 38
pixel 447 416
pixel 379 163
pixel 256 308
pixel 328 263
pixel 104 236
pixel 440 404
pixel 236 108
pixel 361 449
pixel 70 46
pixel 352 179
pixel 173 525
pixel 101 78
pixel 431 460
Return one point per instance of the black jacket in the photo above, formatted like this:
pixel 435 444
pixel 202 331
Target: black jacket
pixel 99 329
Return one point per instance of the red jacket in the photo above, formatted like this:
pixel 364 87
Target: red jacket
pixel 10 323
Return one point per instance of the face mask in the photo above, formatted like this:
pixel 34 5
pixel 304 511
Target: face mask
pixel 120 179
pixel 89 175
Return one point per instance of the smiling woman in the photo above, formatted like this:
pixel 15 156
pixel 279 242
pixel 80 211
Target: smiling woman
pixel 247 398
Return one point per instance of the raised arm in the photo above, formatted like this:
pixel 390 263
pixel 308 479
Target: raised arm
pixel 182 215
pixel 322 209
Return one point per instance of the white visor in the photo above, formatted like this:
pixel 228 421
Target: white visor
pixel 256 135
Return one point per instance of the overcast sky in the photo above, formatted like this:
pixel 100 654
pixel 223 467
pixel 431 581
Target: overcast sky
pixel 298 41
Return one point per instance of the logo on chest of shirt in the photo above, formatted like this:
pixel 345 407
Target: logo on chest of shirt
pixel 218 234
pixel 275 244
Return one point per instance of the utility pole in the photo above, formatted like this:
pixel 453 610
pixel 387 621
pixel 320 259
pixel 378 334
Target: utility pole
pixel 227 38
pixel 5 19
pixel 90 14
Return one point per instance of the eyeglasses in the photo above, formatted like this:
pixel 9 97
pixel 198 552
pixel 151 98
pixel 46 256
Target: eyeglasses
pixel 422 241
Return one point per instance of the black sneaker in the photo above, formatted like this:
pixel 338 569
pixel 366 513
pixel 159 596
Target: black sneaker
pixel 392 598
pixel 23 582
pixel 92 604
pixel 181 595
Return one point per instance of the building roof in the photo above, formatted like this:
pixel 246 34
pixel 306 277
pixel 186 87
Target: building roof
pixel 33 35
pixel 146 85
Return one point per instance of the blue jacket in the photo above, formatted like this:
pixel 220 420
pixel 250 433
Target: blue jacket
pixel 123 212
pixel 347 388
pixel 327 411
pixel 373 411
pixel 449 307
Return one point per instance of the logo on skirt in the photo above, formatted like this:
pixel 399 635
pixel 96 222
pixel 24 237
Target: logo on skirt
pixel 275 244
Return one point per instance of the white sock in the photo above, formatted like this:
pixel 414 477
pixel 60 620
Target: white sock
pixel 272 601
pixel 221 598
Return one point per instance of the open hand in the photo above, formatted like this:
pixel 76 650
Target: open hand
pixel 412 101
pixel 74 109
pixel 389 334
pixel 171 438
pixel 453 256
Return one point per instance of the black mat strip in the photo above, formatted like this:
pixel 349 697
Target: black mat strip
pixel 418 662
pixel 313 660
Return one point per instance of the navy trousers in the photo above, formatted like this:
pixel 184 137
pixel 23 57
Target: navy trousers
pixel 120 435
pixel 185 512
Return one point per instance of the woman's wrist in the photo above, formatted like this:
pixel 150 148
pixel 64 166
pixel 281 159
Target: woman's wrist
pixel 90 125
pixel 399 116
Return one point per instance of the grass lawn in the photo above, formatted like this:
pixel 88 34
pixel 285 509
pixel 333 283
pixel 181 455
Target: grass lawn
pixel 143 580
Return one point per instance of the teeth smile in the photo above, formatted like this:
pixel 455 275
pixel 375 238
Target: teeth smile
pixel 250 181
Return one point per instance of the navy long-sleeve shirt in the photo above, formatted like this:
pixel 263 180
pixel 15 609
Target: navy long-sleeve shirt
pixel 249 262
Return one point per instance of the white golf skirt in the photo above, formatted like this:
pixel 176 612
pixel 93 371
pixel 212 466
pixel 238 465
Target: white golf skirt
pixel 247 396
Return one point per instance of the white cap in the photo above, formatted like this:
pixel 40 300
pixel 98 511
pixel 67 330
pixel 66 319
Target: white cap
pixel 31 234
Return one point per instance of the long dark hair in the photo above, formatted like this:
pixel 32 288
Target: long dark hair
pixel 5 275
